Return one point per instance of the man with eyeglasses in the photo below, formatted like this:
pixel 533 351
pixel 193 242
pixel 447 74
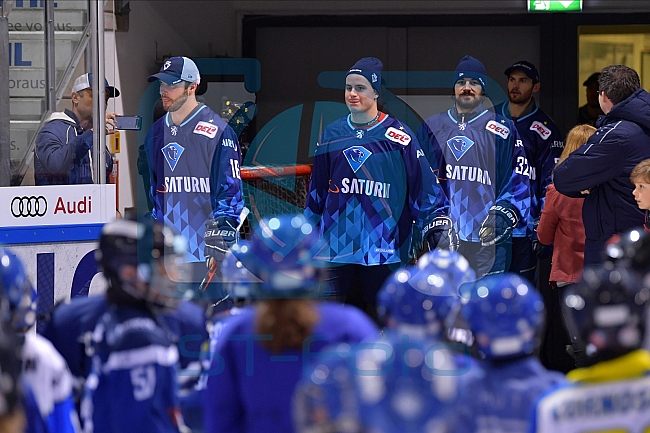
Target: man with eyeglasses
pixel 600 169
pixel 62 155
pixel 194 160
pixel 482 165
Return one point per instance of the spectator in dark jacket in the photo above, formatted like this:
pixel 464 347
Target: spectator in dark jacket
pixel 64 144
pixel 600 169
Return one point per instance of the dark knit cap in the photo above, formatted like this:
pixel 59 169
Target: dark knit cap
pixel 469 67
pixel 369 67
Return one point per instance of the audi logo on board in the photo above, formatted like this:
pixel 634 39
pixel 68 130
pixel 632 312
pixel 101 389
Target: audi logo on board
pixel 28 206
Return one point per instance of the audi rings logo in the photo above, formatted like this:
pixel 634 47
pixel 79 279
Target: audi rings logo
pixel 28 206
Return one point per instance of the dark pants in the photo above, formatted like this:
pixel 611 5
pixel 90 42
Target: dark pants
pixel 555 338
pixel 487 260
pixel 577 344
pixel 358 285
pixel 524 259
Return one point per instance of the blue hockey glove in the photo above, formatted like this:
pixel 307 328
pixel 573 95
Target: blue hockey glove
pixel 498 224
pixel 220 234
pixel 440 233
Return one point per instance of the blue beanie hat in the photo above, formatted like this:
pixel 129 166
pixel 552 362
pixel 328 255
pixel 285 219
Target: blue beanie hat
pixel 469 67
pixel 369 67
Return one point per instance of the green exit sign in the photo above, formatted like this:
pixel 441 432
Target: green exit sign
pixel 554 5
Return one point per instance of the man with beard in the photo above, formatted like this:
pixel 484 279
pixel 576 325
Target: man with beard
pixel 483 168
pixel 194 160
pixel 543 144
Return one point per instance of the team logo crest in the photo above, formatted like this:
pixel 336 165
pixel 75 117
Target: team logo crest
pixel 360 133
pixel 459 145
pixel 356 156
pixel 174 130
pixel 172 153
pixel 374 77
pixel 167 65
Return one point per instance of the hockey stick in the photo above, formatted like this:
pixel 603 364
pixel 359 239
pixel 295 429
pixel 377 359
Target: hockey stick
pixel 213 263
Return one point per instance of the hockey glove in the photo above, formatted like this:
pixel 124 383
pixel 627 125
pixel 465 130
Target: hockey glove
pixel 220 234
pixel 497 226
pixel 440 233
pixel 542 251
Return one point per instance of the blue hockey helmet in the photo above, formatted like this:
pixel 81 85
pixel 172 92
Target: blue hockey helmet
pixel 424 295
pixel 18 302
pixel 238 281
pixel 281 254
pixel 607 308
pixel 505 314
pixel 144 260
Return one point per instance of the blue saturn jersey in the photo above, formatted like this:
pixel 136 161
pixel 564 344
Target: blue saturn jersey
pixel 544 144
pixel 195 173
pixel 368 186
pixel 501 398
pixel 479 163
pixel 132 383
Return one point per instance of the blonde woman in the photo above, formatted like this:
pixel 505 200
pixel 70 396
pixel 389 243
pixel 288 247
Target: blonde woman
pixel 561 225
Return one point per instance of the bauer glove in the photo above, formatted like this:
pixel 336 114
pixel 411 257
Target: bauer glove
pixel 440 233
pixel 498 224
pixel 220 234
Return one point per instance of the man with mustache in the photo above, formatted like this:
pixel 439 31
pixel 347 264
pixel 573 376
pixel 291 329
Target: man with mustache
pixel 543 144
pixel 483 168
pixel 194 160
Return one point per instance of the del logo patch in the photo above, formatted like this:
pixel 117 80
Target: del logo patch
pixel 207 129
pixel 172 153
pixel 356 156
pixel 401 137
pixel 539 128
pixel 498 128
pixel 459 145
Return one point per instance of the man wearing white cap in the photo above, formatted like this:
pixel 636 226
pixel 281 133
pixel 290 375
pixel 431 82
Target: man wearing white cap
pixel 194 159
pixel 63 145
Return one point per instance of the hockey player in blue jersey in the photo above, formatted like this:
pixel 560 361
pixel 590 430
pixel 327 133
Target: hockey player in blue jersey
pixel 392 384
pixel 261 353
pixel 45 372
pixel 609 309
pixel 369 184
pixel 70 327
pixel 194 159
pixel 132 385
pixel 543 144
pixel 506 315
pixel 482 165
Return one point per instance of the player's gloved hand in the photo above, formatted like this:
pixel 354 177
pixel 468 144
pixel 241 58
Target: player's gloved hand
pixel 542 251
pixel 220 234
pixel 440 233
pixel 498 224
